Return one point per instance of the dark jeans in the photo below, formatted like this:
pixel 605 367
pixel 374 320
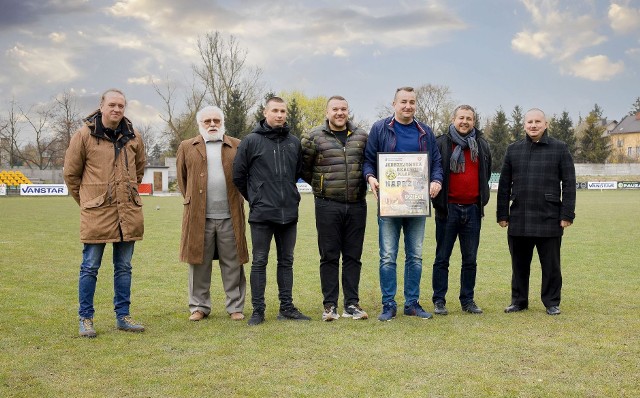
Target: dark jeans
pixel 463 222
pixel 521 248
pixel 341 229
pixel 285 236
pixel 91 261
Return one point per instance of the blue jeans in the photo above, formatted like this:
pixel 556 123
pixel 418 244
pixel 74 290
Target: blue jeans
pixel 464 222
pixel 389 237
pixel 91 260
pixel 285 237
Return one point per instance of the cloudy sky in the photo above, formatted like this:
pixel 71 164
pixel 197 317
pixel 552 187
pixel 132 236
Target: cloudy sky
pixel 552 54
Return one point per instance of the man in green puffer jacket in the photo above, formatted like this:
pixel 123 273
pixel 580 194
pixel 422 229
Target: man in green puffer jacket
pixel 333 155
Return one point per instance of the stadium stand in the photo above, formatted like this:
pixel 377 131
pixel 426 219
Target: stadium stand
pixel 13 178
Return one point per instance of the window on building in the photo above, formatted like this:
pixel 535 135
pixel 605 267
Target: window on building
pixel 629 151
pixel 620 143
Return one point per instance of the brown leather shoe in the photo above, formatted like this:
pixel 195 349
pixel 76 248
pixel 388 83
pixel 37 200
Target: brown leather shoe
pixel 237 316
pixel 197 315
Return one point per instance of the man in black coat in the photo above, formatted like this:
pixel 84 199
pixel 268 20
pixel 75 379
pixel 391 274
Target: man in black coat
pixel 466 164
pixel 538 178
pixel 265 170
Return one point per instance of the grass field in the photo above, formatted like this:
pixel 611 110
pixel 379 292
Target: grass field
pixel 591 350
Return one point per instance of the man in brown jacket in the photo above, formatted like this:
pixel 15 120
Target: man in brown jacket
pixel 102 169
pixel 213 221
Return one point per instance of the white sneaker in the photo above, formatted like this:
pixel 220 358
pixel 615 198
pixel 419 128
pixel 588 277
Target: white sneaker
pixel 330 313
pixel 354 311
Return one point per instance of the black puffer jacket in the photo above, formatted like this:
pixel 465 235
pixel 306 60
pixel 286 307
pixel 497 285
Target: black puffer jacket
pixel 333 170
pixel 265 170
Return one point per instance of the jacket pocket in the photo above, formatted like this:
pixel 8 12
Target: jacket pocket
pixel 255 193
pixel 95 202
pixel 135 196
pixel 551 197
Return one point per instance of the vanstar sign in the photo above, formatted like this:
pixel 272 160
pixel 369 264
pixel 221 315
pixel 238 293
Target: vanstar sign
pixel 43 189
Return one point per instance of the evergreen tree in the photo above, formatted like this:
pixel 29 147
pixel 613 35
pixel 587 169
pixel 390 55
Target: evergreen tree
pixel 294 118
pixel 499 139
pixel 235 112
pixel 517 124
pixel 156 155
pixel 562 129
pixel 259 115
pixel 635 108
pixel 594 148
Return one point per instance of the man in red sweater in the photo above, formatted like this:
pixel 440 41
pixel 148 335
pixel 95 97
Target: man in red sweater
pixel 459 207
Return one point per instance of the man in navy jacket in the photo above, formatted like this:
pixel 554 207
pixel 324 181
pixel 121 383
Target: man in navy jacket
pixel 538 178
pixel 401 133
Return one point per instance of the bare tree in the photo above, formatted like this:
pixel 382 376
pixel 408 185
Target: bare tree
pixel 434 105
pixel 9 133
pixel 180 124
pixel 46 148
pixel 66 121
pixel 224 70
pixel 149 139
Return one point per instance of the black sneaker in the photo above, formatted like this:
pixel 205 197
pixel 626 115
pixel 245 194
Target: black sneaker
pixel 472 308
pixel 553 310
pixel 256 318
pixel 292 314
pixel 439 308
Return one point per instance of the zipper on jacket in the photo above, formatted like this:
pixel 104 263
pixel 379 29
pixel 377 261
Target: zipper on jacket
pixel 275 153
pixel 346 171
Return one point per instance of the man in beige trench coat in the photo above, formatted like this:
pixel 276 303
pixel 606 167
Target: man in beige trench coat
pixel 213 221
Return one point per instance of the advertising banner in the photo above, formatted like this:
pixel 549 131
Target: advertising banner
pixel 602 185
pixel 3 189
pixel 628 184
pixel 43 190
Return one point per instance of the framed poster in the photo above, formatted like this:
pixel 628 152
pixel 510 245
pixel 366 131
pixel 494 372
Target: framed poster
pixel 403 179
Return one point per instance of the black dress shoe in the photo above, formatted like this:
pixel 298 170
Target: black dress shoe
pixel 553 310
pixel 472 308
pixel 514 308
pixel 440 309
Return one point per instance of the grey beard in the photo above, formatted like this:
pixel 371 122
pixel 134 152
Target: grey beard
pixel 217 136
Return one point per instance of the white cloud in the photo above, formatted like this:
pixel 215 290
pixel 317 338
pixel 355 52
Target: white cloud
pixel 556 35
pixel 42 64
pixel 624 19
pixel 535 44
pixel 563 36
pixel 597 68
pixel 57 37
pixel 140 113
pixel 142 80
pixel 340 52
pixel 295 28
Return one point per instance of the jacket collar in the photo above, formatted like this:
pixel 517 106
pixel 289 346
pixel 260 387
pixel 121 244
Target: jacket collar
pixel 349 127
pixel 543 140
pixel 94 122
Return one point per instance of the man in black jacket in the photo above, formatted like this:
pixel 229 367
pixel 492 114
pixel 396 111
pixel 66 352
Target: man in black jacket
pixel 538 178
pixel 466 163
pixel 333 154
pixel 265 170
